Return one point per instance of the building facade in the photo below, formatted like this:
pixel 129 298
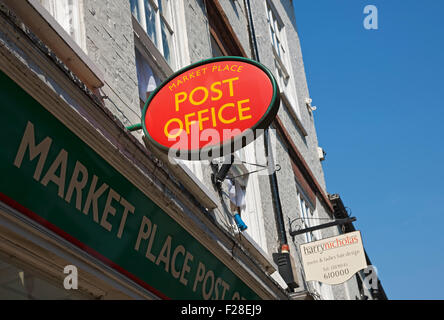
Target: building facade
pixel 85 196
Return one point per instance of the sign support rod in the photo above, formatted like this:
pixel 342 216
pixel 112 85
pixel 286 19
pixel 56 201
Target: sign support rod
pixel 134 127
pixel 322 226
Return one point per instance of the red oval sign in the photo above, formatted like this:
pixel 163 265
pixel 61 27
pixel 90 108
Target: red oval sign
pixel 211 108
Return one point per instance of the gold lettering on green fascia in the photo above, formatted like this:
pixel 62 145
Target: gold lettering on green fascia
pixel 167 261
pixel 41 150
pixel 210 285
pixel 87 189
pixel 60 164
pixel 77 183
pixel 57 174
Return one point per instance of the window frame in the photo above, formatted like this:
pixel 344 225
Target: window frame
pixel 285 102
pixel 305 206
pixel 322 289
pixel 229 45
pixel 50 32
pixel 155 59
pixel 282 63
pixel 221 30
pixel 78 24
pixel 49 254
pixel 159 19
pixel 139 50
pixel 243 165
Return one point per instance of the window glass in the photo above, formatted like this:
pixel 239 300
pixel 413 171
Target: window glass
pixel 275 30
pixel 67 14
pixel 166 42
pixel 306 215
pixel 216 50
pixel 147 79
pixel 282 63
pixel 150 17
pixel 155 17
pixel 165 10
pixel 17 283
pixel 135 9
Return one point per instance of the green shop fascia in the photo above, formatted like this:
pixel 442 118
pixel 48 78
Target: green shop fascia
pixel 51 176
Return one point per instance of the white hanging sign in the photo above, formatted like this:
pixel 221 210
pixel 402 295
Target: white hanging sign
pixel 333 260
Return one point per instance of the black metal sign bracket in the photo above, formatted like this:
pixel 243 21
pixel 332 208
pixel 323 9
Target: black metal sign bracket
pixel 322 226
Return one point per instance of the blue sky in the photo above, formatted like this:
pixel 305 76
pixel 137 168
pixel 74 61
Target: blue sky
pixel 379 97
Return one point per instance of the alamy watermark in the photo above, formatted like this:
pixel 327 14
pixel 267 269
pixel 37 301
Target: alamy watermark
pixel 371 18
pixel 184 142
pixel 371 278
pixel 71 281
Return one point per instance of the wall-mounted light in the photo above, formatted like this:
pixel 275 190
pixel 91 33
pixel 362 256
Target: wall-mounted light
pixel 221 174
pixel 308 102
pixel 321 154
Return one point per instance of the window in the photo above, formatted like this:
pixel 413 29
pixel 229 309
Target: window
pixel 282 63
pixel 310 218
pixel 216 50
pixel 148 80
pixel 224 41
pixel 24 283
pixel 68 13
pixel 247 193
pixel 156 18
pixel 307 216
pixel 276 30
pixel 59 25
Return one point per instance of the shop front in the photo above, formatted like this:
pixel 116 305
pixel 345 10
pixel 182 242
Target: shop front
pixel 61 202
